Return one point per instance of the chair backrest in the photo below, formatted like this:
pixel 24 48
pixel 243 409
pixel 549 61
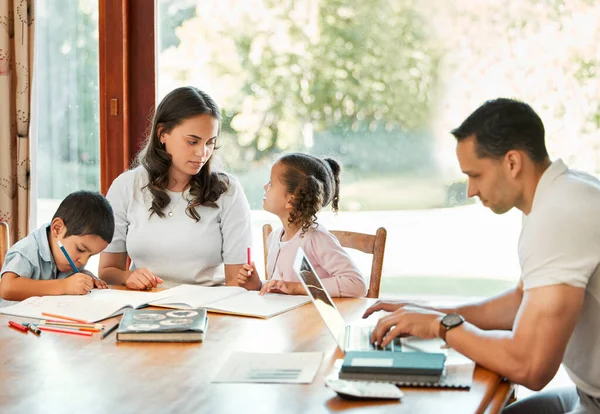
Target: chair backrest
pixel 373 244
pixel 4 241
pixel 266 229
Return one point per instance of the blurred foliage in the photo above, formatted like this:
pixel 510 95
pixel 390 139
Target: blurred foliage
pixel 293 73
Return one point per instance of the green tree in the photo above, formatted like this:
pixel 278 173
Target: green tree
pixel 293 69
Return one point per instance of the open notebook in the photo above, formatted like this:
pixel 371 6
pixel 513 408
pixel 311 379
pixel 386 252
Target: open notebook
pixel 93 307
pixel 105 303
pixel 230 299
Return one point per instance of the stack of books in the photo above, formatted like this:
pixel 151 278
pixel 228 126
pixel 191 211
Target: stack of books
pixel 406 368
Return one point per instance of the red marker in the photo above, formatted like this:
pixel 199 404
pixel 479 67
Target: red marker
pixel 18 326
pixel 248 256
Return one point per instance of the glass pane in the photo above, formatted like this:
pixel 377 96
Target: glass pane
pixel 67 122
pixel 379 84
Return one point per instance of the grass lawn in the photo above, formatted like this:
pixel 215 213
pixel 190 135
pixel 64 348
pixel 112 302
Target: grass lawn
pixel 443 286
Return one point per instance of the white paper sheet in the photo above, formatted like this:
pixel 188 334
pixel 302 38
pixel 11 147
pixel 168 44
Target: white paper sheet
pixel 288 368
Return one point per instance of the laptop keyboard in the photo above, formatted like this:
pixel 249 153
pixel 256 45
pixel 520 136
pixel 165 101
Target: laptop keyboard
pixel 360 340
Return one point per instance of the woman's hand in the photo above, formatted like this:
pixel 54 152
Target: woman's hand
pixel 142 279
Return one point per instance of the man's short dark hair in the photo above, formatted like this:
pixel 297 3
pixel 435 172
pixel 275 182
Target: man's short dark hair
pixel 87 212
pixel 501 125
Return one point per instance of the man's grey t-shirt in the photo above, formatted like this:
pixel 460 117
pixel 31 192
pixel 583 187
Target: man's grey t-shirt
pixel 560 244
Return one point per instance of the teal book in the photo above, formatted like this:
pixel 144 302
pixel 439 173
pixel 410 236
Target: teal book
pixel 403 367
pixel 146 325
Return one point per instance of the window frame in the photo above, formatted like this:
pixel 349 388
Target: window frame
pixel 127 69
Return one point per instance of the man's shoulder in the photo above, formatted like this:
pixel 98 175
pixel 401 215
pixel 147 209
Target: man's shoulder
pixel 573 193
pixel 575 184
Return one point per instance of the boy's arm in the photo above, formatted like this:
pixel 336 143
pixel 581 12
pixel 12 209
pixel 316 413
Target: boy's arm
pixel 13 287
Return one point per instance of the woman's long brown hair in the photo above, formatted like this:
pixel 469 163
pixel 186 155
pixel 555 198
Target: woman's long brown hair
pixel 205 187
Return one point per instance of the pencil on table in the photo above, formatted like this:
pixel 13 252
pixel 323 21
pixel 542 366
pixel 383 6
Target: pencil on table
pixel 66 318
pixel 97 326
pixel 67 331
pixel 109 330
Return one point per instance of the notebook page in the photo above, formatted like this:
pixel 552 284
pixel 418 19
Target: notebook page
pixel 190 296
pixel 93 307
pixel 251 304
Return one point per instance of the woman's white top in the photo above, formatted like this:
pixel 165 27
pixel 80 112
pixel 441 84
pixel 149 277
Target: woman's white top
pixel 177 248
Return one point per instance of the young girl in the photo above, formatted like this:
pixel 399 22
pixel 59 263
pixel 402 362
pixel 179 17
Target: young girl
pixel 300 185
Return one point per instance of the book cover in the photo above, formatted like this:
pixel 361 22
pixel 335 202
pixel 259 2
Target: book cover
pixel 421 365
pixel 142 325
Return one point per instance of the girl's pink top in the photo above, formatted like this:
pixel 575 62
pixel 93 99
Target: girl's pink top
pixel 337 271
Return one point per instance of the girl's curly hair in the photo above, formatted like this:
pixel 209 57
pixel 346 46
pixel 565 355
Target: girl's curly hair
pixel 314 182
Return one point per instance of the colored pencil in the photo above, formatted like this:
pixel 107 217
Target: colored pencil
pixel 68 257
pixel 67 331
pixel 66 318
pixel 109 330
pixel 98 326
pixel 248 256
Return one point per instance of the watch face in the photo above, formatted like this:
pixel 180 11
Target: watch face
pixel 452 320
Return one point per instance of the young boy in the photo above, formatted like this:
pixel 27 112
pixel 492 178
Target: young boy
pixel 36 265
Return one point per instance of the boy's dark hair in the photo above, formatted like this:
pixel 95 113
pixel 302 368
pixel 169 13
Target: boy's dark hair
pixel 87 212
pixel 501 125
pixel 314 182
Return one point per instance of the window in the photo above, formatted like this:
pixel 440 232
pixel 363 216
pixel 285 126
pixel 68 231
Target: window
pixel 379 84
pixel 66 154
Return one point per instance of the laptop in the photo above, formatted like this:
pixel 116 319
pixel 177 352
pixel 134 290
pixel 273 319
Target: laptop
pixel 351 337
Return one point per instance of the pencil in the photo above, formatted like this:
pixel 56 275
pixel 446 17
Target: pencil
pixel 248 256
pixel 67 331
pixel 68 257
pixel 74 328
pixel 98 326
pixel 109 330
pixel 66 318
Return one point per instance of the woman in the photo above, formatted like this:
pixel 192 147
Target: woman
pixel 175 218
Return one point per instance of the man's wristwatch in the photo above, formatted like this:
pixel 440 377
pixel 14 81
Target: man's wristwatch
pixel 450 321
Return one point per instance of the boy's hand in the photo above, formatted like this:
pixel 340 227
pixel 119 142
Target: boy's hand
pixel 279 286
pixel 142 279
pixel 78 284
pixel 246 273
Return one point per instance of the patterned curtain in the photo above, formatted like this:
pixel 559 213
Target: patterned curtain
pixel 16 64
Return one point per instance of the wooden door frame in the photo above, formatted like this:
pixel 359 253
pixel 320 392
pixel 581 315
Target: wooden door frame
pixel 127 82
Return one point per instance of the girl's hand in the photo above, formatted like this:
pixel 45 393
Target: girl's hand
pixel 280 286
pixel 246 273
pixel 142 279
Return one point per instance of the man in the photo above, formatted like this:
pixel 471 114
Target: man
pixel 553 314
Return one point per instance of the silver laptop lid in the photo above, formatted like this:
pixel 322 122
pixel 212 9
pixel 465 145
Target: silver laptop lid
pixel 319 296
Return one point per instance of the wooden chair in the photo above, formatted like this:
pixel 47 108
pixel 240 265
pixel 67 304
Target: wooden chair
pixel 366 243
pixel 4 241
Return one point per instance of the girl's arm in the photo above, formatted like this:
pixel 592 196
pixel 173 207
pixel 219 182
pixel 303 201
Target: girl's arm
pixel 345 279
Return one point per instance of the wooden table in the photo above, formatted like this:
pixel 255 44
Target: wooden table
pixel 57 373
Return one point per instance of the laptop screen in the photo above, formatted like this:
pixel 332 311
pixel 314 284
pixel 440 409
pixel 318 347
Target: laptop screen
pixel 316 291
